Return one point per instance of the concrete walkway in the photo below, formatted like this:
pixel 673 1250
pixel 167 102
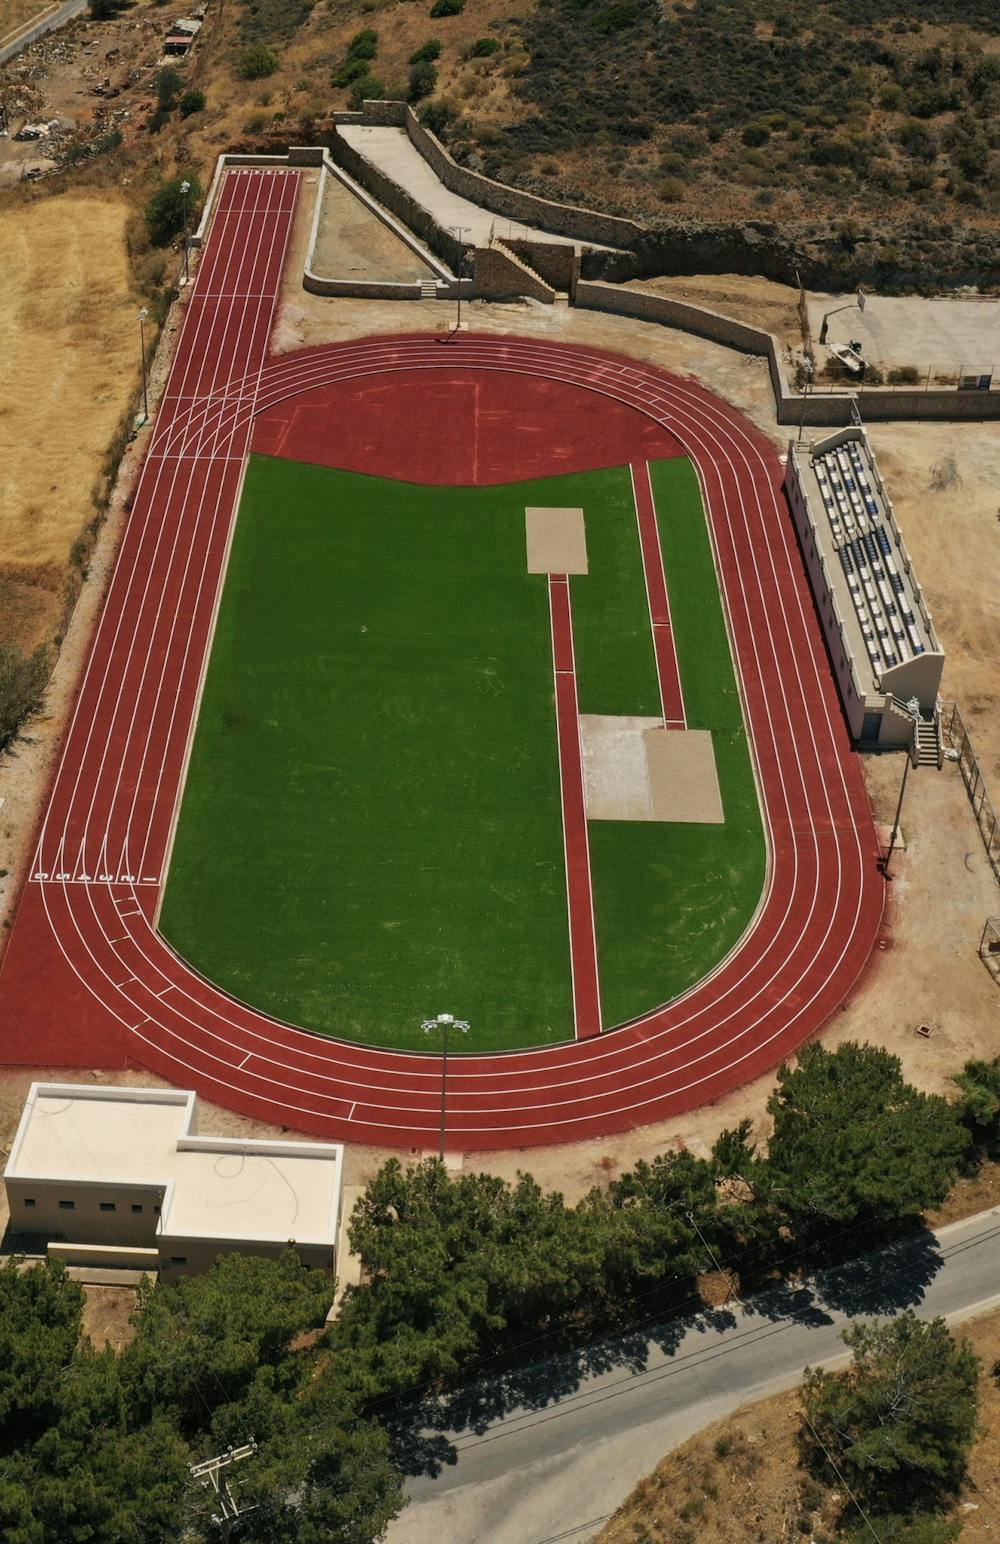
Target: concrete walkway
pixel 392 152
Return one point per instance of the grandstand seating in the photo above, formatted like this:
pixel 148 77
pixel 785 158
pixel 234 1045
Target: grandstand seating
pixel 865 549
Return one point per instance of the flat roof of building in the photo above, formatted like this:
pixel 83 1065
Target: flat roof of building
pixel 213 1187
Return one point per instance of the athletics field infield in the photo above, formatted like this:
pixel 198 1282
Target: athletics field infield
pixel 372 825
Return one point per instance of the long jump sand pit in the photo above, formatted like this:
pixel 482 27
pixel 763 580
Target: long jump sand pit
pixel 556 540
pixel 634 769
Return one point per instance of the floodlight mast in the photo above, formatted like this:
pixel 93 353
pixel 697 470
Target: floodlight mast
pixel 445 1023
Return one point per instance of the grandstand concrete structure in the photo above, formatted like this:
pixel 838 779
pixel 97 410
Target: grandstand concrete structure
pixel 885 653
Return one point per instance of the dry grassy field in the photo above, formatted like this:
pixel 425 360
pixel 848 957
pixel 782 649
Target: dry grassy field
pixel 15 13
pixel 69 340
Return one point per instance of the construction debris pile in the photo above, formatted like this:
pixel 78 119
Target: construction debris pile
pixel 85 89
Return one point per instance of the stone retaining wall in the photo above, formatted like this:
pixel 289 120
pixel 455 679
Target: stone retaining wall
pixel 585 225
pixel 499 274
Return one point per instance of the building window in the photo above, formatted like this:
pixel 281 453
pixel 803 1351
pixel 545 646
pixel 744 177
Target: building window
pixel 67 1206
pixel 156 1211
pixel 108 1206
pixel 136 1206
pixel 178 1259
pixel 30 1201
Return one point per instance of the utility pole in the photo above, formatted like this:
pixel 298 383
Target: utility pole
pixel 445 1022
pixel 211 1473
pixel 458 232
pixel 143 314
pixel 185 190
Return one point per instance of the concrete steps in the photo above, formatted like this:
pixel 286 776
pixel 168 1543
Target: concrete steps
pixel 928 743
pixel 428 289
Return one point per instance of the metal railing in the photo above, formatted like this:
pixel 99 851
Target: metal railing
pixel 983 808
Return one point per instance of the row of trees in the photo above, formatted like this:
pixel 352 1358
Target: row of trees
pixel 459 1276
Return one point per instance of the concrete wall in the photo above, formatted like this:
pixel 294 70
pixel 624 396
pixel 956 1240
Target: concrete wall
pixel 584 225
pixel 200 1254
pixel 85 1222
pixel 817 408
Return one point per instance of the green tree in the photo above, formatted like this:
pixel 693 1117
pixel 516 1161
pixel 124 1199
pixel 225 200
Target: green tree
pixel 191 102
pixel 257 61
pixel 980 1085
pixel 168 85
pixel 430 50
pixel 165 211
pixel 423 79
pixel 453 1266
pixel 41 1311
pixel 220 1339
pixel 105 10
pixel 854 1142
pixel 23 678
pixel 899 1423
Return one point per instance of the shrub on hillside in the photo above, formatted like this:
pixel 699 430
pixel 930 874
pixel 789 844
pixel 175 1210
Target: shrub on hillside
pixel 22 685
pixel 423 79
pixel 483 47
pixel 165 211
pixel 256 62
pixel 191 102
pixel 429 50
pixel 447 8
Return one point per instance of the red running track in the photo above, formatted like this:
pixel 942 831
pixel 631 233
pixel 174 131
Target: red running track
pixel 88 981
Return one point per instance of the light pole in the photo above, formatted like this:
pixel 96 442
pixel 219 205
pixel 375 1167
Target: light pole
pixel 914 706
pixel 185 190
pixel 142 355
pixel 445 1022
pixel 459 231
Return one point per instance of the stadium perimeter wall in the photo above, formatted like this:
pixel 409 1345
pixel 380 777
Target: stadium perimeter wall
pixel 816 409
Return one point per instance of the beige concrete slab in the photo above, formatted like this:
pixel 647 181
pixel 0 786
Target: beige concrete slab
pixel 556 539
pixel 615 776
pixel 683 782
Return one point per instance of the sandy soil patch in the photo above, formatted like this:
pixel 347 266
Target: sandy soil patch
pixel 683 782
pixel 556 541
pixel 615 769
pixel 106 1312
pixel 739 1479
pixel 69 340
pixel 758 302
pixel 353 243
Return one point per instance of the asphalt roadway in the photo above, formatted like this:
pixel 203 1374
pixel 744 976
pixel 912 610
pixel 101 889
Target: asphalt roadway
pixel 546 1455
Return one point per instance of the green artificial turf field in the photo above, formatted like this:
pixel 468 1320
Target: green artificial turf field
pixel 371 826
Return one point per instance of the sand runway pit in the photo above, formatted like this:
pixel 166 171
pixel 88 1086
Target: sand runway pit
pixel 556 541
pixel 634 769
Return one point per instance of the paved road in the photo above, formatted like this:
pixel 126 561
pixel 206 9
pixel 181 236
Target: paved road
pixel 549 1456
pixel 14 42
pixel 393 153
